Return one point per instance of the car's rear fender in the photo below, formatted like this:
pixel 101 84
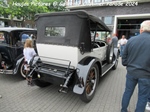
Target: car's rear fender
pixel 82 71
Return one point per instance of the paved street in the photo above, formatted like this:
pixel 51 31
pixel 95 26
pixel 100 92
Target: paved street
pixel 19 97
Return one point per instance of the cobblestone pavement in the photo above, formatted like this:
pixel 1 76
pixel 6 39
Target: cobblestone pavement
pixel 17 96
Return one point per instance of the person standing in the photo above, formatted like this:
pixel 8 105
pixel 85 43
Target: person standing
pixel 28 53
pixel 122 42
pixel 115 40
pixel 97 37
pixel 136 58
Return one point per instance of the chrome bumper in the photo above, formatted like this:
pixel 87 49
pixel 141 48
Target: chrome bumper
pixel 2 71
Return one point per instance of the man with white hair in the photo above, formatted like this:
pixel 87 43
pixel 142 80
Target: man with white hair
pixel 136 58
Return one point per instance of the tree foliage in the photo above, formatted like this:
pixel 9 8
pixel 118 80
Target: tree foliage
pixel 25 8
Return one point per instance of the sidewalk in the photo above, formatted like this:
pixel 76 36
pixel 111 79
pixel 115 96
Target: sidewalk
pixel 18 97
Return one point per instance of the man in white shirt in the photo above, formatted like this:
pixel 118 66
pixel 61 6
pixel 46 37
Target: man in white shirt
pixel 122 43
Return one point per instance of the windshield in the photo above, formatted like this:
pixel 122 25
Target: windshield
pixel 4 37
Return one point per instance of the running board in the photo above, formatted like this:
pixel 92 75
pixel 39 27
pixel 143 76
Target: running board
pixel 106 68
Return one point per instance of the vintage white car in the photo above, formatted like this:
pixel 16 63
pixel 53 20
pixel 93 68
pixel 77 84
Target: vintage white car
pixel 67 54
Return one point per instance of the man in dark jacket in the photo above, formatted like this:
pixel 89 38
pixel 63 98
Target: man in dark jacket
pixel 115 40
pixel 136 58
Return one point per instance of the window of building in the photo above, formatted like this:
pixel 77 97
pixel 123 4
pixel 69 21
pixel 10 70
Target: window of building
pixel 18 24
pixel 107 0
pixel 69 2
pixel 77 2
pixel 86 1
pixel 28 26
pixel 97 1
pixel 108 20
pixel 29 17
pixel 5 15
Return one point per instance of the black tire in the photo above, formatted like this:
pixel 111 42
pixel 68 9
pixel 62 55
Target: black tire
pixel 110 53
pixel 89 91
pixel 41 83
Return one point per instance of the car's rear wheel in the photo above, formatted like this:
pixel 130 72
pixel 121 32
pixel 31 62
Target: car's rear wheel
pixel 36 80
pixel 40 83
pixel 91 84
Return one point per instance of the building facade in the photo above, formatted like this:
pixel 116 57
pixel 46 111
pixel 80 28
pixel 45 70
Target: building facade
pixel 123 17
pixel 6 21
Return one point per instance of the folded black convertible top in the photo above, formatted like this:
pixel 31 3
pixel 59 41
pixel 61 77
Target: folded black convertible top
pixel 80 14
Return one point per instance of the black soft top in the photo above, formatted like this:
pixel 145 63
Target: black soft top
pixel 77 24
pixel 80 14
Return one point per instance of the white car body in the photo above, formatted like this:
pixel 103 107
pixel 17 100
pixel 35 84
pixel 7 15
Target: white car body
pixel 64 53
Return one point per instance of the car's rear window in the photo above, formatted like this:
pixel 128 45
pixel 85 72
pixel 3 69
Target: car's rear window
pixel 51 31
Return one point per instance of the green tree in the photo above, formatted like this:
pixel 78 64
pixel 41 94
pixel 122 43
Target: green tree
pixel 26 8
pixel 22 8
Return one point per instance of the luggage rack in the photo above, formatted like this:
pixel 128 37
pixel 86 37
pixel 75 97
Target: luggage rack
pixel 52 67
pixel 64 71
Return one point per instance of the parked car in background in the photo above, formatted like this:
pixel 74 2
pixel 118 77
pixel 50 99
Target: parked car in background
pixel 11 49
pixel 68 55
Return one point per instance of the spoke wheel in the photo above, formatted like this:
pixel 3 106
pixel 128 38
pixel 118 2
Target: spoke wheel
pixel 91 84
pixel 22 71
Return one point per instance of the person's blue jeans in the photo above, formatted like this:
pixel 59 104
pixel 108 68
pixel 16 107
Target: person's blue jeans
pixel 143 92
pixel 121 49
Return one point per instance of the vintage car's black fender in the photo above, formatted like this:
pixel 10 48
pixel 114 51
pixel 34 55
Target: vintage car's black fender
pixel 82 71
pixel 116 57
pixel 18 62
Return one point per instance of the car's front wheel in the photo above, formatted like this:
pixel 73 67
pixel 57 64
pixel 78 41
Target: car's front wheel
pixel 91 84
